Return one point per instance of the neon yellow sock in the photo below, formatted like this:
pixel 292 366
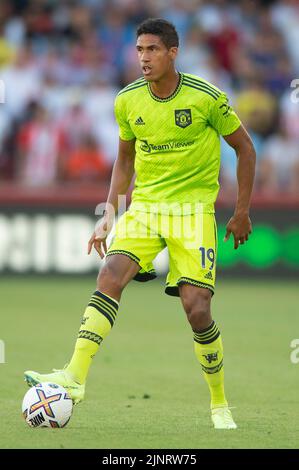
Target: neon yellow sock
pixel 209 351
pixel 97 322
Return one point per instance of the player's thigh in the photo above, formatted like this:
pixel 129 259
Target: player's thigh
pixel 117 272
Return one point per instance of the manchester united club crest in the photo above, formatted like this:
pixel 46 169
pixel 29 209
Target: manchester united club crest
pixel 183 117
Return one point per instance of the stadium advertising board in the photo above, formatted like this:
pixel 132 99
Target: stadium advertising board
pixel 52 241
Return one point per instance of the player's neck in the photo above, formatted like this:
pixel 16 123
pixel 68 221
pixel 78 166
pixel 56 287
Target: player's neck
pixel 166 86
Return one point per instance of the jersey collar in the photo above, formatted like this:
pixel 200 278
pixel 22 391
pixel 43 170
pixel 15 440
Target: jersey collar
pixel 168 98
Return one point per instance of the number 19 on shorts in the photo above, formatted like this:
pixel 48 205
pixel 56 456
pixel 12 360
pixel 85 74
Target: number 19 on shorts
pixel 207 258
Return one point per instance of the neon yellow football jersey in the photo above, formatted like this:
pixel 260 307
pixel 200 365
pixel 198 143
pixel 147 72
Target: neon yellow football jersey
pixel 177 145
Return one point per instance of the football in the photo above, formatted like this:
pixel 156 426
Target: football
pixel 47 405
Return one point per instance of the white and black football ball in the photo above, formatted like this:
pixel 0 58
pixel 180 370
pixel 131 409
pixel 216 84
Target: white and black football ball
pixel 47 405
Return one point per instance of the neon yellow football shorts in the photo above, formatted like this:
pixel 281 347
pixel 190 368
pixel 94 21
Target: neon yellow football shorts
pixel 191 241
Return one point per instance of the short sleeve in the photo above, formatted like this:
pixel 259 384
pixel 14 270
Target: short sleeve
pixel 125 131
pixel 222 117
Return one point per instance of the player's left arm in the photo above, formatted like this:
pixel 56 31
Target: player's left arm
pixel 240 224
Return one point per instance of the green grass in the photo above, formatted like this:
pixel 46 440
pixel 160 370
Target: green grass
pixel 150 352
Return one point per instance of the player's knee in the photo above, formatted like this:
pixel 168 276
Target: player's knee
pixel 109 280
pixel 198 310
pixel 199 319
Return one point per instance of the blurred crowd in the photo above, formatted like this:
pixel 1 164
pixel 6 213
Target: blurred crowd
pixel 63 61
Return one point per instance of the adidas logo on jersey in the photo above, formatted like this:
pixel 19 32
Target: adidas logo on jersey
pixel 139 121
pixel 209 276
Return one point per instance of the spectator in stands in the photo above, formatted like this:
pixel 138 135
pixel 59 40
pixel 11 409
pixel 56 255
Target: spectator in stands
pixel 22 83
pixel 268 52
pixel 53 96
pixel 279 166
pixel 41 145
pixel 87 163
pixel 256 106
pixel 75 121
pixel 285 16
pixel 98 103
pixel 224 43
pixel 6 154
pixel 196 51
pixel 7 51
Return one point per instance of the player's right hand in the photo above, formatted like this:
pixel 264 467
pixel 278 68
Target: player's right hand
pixel 98 238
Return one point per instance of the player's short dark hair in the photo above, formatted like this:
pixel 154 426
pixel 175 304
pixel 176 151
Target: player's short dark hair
pixel 162 28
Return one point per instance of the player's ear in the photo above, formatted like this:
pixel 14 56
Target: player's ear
pixel 173 52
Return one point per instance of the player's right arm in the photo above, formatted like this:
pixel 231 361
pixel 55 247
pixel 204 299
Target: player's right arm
pixel 122 174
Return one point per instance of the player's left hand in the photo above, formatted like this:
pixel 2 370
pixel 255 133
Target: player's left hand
pixel 240 226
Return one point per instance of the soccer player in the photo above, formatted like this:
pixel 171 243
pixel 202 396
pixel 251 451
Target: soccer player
pixel 169 136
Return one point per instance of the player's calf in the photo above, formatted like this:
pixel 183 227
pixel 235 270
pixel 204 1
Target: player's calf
pixel 116 274
pixel 207 341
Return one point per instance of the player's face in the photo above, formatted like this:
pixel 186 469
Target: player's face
pixel 154 57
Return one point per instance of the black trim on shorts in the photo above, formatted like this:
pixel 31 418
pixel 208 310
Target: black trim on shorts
pixel 125 253
pixel 174 290
pixel 140 277
pixel 147 276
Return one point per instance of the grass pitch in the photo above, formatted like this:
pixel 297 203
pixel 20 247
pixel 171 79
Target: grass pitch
pixel 145 389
